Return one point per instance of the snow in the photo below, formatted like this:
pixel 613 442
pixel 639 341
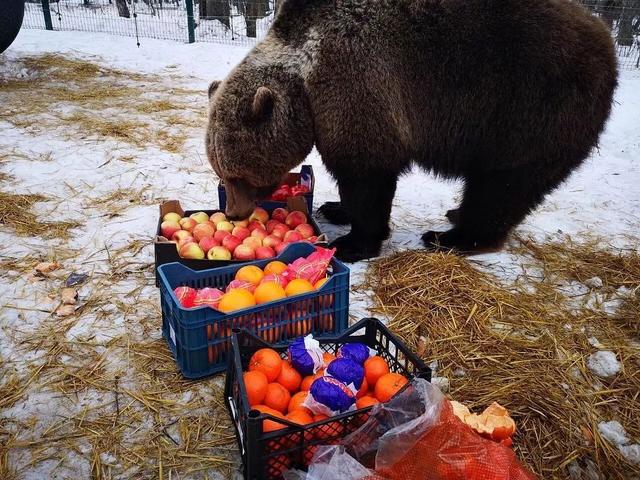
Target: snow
pixel 600 198
pixel 613 432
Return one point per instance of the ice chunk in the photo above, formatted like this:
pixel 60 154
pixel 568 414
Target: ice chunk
pixel 604 363
pixel 594 282
pixel 631 453
pixel 613 432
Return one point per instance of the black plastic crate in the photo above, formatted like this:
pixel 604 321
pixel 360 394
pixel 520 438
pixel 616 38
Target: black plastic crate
pixel 304 176
pixel 266 455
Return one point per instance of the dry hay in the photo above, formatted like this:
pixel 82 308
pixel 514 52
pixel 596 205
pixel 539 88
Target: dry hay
pixel 525 347
pixel 16 213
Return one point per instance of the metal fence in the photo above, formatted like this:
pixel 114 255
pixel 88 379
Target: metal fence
pixel 244 22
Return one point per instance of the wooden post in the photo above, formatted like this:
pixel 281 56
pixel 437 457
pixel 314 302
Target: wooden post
pixel 46 11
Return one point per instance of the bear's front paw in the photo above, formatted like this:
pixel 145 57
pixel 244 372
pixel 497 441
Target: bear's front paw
pixel 334 213
pixel 350 249
pixel 459 242
pixel 453 216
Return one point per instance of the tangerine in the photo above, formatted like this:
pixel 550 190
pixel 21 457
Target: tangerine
pixel 236 299
pixel 308 380
pixel 277 397
pixel 276 267
pixel 388 385
pixel 366 401
pixel 320 283
pixel 327 431
pixel 270 425
pixel 364 389
pixel 255 383
pixel 267 361
pixel 289 378
pixel 268 292
pixel 301 418
pixel 296 402
pixel 298 286
pixel 250 273
pixel 374 368
pixel 328 358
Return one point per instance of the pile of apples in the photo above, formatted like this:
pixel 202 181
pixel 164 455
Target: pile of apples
pixel 214 237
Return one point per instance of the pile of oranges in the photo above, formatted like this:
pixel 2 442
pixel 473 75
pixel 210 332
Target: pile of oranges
pixel 275 387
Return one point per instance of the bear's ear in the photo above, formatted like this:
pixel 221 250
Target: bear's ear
pixel 262 104
pixel 213 87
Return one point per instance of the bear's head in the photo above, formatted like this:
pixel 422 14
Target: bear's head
pixel 260 127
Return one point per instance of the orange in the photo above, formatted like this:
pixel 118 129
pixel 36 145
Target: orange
pixel 309 452
pixel 255 383
pixel 267 361
pixel 320 283
pixel 277 397
pixel 236 299
pixel 270 425
pixel 296 402
pixel 276 267
pixel 289 378
pixel 301 418
pixel 277 465
pixel 250 273
pixel 374 368
pixel 366 401
pixel 268 292
pixel 328 358
pixel 298 286
pixel 328 431
pixel 388 385
pixel 364 389
pixel 306 383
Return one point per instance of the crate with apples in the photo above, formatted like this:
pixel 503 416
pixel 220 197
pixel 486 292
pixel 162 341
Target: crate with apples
pixel 286 400
pixel 207 239
pixel 295 184
pixel 303 290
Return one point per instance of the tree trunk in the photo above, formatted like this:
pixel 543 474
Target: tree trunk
pixel 253 11
pixel 216 9
pixel 625 30
pixel 123 8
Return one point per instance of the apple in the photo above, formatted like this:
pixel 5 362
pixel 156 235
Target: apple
pixel 312 239
pixel 199 217
pixel 220 234
pixel 252 242
pixel 241 232
pixel 171 217
pixel 280 231
pixel 168 228
pixel 281 247
pixel 217 217
pixel 259 214
pixel 181 234
pixel 219 253
pixel 295 218
pixel 208 296
pixel 207 243
pixel 280 214
pixel 188 224
pixel 184 241
pixel 260 234
pixel 203 230
pixel 292 236
pixel 191 250
pixel 225 226
pixel 255 224
pixel 305 230
pixel 274 277
pixel 271 224
pixel 241 223
pixel 265 252
pixel 231 243
pixel 244 252
pixel 271 241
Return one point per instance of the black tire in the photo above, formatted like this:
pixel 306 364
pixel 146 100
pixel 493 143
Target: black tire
pixel 11 15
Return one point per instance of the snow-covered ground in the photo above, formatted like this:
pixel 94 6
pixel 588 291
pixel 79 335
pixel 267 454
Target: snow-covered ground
pixel 76 169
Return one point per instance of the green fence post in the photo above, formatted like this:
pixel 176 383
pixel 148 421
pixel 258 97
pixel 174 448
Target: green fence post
pixel 46 11
pixel 191 24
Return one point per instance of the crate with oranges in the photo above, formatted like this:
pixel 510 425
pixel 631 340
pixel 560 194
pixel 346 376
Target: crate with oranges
pixel 286 400
pixel 200 309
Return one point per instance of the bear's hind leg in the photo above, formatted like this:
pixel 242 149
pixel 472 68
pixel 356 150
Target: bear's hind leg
pixel 334 213
pixel 493 203
pixel 367 200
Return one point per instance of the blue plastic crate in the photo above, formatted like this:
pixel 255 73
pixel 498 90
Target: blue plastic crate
pixel 305 176
pixel 200 337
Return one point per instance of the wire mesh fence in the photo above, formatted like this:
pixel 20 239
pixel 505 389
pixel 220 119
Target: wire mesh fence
pixel 244 22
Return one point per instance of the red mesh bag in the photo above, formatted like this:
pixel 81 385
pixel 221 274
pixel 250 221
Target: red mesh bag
pixel 312 268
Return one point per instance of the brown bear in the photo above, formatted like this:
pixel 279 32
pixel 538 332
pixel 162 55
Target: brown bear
pixel 508 95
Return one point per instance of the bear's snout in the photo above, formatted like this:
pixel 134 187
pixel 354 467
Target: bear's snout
pixel 241 200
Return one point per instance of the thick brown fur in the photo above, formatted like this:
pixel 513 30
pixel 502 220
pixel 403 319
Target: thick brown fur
pixel 509 95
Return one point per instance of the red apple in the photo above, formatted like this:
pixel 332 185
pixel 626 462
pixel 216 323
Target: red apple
pixel 271 225
pixel 172 217
pixel 241 223
pixel 260 234
pixel 220 234
pixel 280 214
pixel 199 217
pixel 208 296
pixel 241 232
pixel 180 235
pixel 252 242
pixel 244 252
pixel 217 217
pixel 255 224
pixel 305 230
pixel 274 277
pixel 292 236
pixel 188 224
pixel 207 243
pixel 231 243
pixel 259 214
pixel 295 218
pixel 219 253
pixel 312 239
pixel 168 228
pixel 191 250
pixel 271 241
pixel 264 252
pixel 203 230
pixel 280 230
pixel 226 226
pixel 281 247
